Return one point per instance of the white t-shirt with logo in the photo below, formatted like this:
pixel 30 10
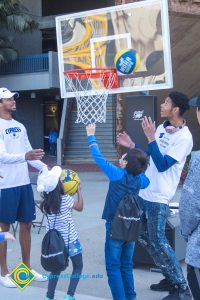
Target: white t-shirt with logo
pixel 14 144
pixel 163 185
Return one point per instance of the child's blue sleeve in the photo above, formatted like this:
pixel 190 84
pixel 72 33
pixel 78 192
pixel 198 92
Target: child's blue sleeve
pixel 144 181
pixel 161 162
pixel 110 170
pixel 2 237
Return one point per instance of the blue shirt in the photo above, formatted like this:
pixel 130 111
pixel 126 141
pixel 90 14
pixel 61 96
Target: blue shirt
pixel 120 184
pixel 53 137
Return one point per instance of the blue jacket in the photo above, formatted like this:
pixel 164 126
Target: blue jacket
pixel 120 184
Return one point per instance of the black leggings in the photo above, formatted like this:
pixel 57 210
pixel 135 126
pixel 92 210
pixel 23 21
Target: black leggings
pixel 77 263
pixel 193 277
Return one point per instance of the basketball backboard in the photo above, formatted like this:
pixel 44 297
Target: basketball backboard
pixel 91 39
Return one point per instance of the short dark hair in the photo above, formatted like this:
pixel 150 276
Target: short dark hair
pixel 137 161
pixel 180 100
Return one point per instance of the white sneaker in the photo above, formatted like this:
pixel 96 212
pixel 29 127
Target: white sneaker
pixel 7 282
pixel 39 277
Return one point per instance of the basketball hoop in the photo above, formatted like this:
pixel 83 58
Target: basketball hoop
pixel 91 89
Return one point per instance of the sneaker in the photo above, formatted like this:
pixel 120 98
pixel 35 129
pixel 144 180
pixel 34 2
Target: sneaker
pixel 39 277
pixel 7 282
pixel 179 294
pixel 68 297
pixel 163 286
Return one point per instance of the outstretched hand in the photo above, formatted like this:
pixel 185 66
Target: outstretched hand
pixel 149 128
pixel 34 154
pixel 124 139
pixel 91 129
pixel 9 236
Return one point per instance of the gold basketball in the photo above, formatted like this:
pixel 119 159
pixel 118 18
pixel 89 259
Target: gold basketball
pixel 70 181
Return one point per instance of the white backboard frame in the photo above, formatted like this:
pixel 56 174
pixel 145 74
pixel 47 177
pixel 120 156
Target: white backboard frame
pixel 165 37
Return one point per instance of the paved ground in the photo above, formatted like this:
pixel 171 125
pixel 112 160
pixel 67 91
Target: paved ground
pixel 91 231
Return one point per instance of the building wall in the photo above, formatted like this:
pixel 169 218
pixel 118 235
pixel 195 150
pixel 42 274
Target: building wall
pixel 32 42
pixel 30 113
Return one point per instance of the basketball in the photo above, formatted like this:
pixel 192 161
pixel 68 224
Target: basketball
pixel 127 61
pixel 70 181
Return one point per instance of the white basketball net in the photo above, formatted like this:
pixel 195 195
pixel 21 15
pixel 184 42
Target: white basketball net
pixel 91 108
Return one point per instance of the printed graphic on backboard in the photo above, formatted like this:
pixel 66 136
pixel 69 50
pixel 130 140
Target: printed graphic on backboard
pixel 92 39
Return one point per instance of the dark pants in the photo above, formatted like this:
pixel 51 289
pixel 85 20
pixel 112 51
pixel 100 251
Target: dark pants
pixel 193 277
pixel 52 150
pixel 155 242
pixel 77 263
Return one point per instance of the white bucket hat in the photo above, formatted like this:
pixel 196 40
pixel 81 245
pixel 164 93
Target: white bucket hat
pixel 6 94
pixel 48 179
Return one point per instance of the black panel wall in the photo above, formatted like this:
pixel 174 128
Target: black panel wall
pixel 51 7
pixel 135 108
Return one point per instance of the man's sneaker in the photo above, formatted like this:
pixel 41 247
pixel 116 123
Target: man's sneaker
pixel 39 277
pixel 163 286
pixel 179 294
pixel 7 282
pixel 68 297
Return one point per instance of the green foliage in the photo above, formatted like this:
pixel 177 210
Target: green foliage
pixel 14 17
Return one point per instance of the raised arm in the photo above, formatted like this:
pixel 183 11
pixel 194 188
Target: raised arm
pixel 110 170
pixel 162 162
pixel 124 139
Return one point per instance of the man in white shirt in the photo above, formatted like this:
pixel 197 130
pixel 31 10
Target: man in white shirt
pixel 168 147
pixel 16 195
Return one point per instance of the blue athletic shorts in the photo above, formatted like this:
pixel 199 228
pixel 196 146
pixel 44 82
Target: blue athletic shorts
pixel 17 204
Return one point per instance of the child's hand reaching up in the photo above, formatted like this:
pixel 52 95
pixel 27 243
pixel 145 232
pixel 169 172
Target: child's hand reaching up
pixel 91 128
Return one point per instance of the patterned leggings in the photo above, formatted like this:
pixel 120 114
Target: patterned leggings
pixel 77 263
pixel 155 242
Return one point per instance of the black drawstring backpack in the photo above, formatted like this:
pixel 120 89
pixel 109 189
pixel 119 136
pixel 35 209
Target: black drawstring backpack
pixel 54 256
pixel 126 225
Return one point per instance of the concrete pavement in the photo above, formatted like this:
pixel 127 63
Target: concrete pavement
pixel 93 285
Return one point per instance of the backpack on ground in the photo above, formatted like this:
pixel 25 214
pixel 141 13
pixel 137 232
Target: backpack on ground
pixel 54 256
pixel 127 222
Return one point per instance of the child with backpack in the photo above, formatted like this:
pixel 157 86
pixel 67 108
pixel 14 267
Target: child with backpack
pixel 129 177
pixel 57 206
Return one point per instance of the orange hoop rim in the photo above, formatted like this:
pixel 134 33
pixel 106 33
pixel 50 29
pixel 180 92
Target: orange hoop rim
pixel 92 72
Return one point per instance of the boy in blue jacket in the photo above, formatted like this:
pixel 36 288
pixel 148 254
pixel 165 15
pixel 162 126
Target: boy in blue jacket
pixel 128 178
